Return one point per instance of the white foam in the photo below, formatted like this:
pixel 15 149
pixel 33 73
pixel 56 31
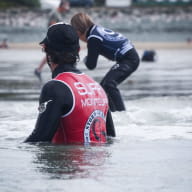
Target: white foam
pixel 156 118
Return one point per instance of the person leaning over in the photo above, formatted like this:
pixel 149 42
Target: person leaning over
pixel 112 45
pixel 73 108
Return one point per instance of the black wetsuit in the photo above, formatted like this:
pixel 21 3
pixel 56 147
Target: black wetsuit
pixel 61 103
pixel 114 46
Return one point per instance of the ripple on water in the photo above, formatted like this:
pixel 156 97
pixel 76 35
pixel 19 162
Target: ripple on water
pixel 156 118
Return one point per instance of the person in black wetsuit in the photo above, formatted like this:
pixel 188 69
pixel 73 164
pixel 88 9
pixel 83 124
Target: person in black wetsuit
pixel 63 110
pixel 113 46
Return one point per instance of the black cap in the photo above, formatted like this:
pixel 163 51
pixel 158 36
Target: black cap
pixel 61 38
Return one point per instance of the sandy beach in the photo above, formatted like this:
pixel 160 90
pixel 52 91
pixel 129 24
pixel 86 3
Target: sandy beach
pixel 138 45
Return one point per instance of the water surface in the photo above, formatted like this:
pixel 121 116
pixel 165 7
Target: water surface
pixel 152 150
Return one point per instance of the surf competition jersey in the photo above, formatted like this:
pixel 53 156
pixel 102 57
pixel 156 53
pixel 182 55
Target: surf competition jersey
pixel 105 42
pixel 73 109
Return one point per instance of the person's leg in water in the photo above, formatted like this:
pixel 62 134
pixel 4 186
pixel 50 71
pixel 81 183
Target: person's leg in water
pixel 110 82
pixel 117 74
pixel 38 70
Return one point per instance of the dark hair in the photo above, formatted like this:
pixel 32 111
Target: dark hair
pixel 61 58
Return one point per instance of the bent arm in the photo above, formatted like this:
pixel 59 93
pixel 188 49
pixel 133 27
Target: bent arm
pixel 93 46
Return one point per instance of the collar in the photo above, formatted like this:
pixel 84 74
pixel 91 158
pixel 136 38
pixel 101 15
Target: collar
pixel 65 68
pixel 89 30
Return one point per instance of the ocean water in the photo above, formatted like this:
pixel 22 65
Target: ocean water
pixel 152 150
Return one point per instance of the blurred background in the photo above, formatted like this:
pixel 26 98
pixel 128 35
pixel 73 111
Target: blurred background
pixel 152 151
pixel 140 20
pixel 152 25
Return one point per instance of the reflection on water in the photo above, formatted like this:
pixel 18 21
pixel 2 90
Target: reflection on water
pixel 152 151
pixel 153 138
pixel 69 162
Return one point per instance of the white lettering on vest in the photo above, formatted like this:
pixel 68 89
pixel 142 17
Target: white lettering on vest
pixel 87 88
pixel 93 102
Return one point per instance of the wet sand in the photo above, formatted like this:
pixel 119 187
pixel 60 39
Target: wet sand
pixel 169 75
pixel 138 45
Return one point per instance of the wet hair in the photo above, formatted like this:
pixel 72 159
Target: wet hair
pixel 61 58
pixel 81 22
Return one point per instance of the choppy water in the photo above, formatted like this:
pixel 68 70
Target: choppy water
pixel 152 151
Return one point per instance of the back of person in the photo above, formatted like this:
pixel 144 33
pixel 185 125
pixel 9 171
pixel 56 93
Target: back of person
pixel 86 121
pixel 73 108
pixel 114 45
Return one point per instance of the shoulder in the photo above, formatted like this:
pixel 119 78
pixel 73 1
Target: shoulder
pixel 95 37
pixel 60 95
pixel 50 84
pixel 55 88
pixel 93 34
pixel 94 41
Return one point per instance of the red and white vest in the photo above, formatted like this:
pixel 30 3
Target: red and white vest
pixel 86 122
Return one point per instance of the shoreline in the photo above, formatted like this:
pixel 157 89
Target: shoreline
pixel 138 45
